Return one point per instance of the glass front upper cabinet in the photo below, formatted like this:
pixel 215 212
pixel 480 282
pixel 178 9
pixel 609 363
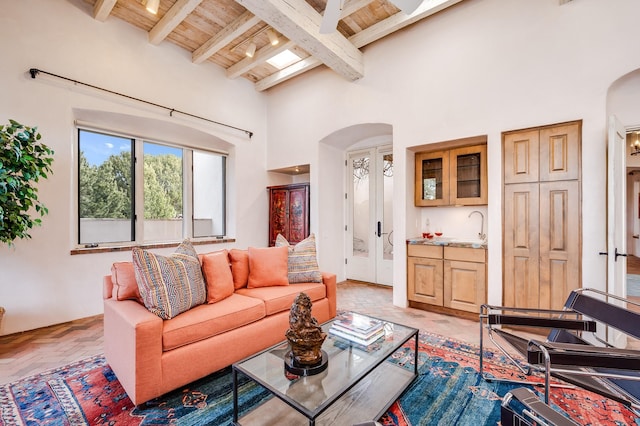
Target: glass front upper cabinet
pixel 432 178
pixel 456 176
pixel 469 175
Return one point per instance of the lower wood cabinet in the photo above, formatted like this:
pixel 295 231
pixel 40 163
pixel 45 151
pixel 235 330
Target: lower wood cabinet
pixel 425 274
pixel 453 278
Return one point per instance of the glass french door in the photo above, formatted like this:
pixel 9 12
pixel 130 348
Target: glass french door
pixel 616 219
pixel 369 227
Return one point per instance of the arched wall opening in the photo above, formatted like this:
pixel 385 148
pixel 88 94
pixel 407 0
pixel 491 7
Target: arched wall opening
pixel 331 188
pixel 623 101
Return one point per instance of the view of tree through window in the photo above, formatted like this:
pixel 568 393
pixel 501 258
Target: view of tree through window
pixel 105 188
pixel 162 192
pixel 106 199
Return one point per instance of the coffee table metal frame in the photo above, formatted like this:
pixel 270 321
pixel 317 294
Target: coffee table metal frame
pixel 312 415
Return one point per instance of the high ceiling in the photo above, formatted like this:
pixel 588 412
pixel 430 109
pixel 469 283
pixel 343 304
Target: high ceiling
pixel 221 31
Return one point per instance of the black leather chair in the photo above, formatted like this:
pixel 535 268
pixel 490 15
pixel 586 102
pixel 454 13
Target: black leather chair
pixel 573 351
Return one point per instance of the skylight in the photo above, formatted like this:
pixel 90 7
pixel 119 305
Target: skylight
pixel 284 59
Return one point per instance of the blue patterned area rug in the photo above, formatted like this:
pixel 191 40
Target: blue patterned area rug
pixel 449 391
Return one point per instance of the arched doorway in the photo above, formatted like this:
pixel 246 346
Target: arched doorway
pixel 367 224
pixel 623 277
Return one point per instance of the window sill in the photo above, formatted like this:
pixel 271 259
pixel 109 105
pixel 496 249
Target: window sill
pixel 109 249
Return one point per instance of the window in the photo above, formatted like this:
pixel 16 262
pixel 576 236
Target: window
pixel 163 177
pixel 209 182
pixel 169 184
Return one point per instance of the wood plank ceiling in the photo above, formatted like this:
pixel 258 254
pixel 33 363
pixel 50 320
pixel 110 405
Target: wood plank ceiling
pixel 220 31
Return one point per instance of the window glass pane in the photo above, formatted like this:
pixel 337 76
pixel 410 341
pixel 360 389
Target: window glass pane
pixel 468 178
pixel 360 167
pixel 432 179
pixel 208 194
pixel 387 203
pixel 162 192
pixel 105 197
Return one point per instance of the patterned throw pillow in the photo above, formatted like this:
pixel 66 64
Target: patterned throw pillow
pixel 303 263
pixel 170 285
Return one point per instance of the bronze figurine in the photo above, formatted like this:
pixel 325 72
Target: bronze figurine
pixel 304 334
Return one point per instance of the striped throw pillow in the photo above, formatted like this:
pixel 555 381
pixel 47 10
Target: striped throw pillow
pixel 303 262
pixel 169 285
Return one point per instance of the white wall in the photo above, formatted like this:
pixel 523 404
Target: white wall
pixel 40 282
pixel 483 67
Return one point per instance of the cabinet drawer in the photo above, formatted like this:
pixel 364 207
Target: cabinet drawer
pixel 465 254
pixel 419 250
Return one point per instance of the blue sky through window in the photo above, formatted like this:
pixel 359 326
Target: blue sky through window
pixel 98 147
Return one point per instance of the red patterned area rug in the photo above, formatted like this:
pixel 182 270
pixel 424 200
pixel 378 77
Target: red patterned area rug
pixel 448 391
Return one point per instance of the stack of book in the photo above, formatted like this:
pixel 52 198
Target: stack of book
pixel 357 328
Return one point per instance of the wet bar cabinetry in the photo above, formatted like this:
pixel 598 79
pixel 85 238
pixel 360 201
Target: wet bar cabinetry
pixel 447 279
pixel 456 176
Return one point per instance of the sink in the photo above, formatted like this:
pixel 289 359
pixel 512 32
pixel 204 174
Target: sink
pixel 473 242
pixel 443 241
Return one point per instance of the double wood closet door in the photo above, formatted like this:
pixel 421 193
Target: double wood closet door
pixel 541 215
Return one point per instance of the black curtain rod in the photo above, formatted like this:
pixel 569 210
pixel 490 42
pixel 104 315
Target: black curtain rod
pixel 35 71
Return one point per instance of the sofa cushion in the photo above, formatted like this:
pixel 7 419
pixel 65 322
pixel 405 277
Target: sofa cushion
pixel 239 267
pixel 280 298
pixel 217 275
pixel 303 262
pixel 123 278
pixel 169 285
pixel 268 266
pixel 204 321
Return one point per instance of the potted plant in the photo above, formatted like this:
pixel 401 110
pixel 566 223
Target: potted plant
pixel 23 161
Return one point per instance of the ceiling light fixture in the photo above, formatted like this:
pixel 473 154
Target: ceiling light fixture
pixel 273 37
pixel 251 50
pixel 250 39
pixel 152 6
pixel 636 145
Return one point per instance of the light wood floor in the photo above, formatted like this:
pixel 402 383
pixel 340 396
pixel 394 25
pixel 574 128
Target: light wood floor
pixel 633 265
pixel 27 353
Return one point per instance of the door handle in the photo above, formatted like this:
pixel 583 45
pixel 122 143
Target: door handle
pixel 604 253
pixel 379 229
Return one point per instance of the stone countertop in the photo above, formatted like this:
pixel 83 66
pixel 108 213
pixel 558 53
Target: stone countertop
pixel 477 244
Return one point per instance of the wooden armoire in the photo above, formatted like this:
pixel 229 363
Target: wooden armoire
pixel 289 212
pixel 542 215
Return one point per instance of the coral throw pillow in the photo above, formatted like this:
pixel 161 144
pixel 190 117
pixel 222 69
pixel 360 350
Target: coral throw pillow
pixel 268 267
pixel 125 286
pixel 303 262
pixel 239 267
pixel 169 285
pixel 217 275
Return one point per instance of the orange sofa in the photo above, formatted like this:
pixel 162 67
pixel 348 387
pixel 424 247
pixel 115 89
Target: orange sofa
pixel 151 356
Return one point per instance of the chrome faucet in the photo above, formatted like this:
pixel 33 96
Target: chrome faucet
pixel 481 235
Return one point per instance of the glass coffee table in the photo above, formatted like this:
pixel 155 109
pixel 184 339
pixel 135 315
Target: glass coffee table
pixel 359 384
